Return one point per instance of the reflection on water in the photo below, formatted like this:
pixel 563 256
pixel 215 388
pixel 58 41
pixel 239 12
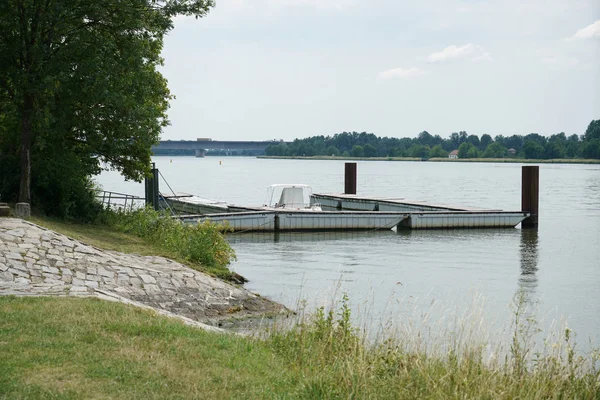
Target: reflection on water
pixel 386 235
pixel 529 261
pixel 276 237
pixel 528 280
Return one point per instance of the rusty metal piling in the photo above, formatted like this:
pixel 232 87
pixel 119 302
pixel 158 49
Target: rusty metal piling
pixel 350 178
pixel 151 186
pixel 530 188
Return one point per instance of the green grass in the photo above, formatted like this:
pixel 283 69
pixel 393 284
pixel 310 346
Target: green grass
pixel 88 348
pixel 110 238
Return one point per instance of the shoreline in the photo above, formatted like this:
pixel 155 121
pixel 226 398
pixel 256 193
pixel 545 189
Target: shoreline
pixel 443 160
pixel 36 261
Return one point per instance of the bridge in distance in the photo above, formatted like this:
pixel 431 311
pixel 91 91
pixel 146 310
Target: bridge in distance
pixel 200 146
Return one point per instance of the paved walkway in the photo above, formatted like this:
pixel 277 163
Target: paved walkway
pixel 35 261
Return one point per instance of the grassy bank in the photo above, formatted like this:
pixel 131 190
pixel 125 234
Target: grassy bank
pixel 87 348
pixel 468 160
pixel 204 251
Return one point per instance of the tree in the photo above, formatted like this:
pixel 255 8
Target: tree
pixel 398 151
pixel 463 150
pixel 591 148
pixel 438 151
pixel 593 130
pixel 369 150
pixel 455 140
pixel 357 151
pixel 554 150
pixel 573 146
pixel 494 150
pixel 474 140
pixel 333 151
pixel 485 141
pixel 533 149
pixel 426 139
pixel 419 151
pixel 79 83
pixel 472 153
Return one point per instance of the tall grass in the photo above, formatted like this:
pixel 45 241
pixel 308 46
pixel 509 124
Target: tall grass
pixel 84 348
pixel 460 363
pixel 201 243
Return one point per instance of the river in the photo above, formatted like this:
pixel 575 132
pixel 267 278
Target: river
pixel 391 277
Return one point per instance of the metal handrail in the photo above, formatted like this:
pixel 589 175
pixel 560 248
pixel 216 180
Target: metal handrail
pixel 108 198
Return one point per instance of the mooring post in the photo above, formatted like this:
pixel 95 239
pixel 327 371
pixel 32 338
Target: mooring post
pixel 151 186
pixel 530 188
pixel 155 188
pixel 147 195
pixel 350 178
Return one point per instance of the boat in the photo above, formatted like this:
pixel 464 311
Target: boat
pixel 290 197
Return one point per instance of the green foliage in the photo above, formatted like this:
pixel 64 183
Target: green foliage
pixel 467 150
pixel 419 151
pixel 202 242
pixel 494 150
pixel 80 91
pixel 357 151
pixel 485 141
pixel 426 145
pixel 555 150
pixel 370 150
pixel 533 149
pixel 591 149
pixel 593 130
pixel 472 153
pixel 332 151
pixel 438 151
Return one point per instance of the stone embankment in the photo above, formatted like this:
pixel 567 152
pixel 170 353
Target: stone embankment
pixel 38 262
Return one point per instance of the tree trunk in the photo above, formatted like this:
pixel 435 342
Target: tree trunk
pixel 25 149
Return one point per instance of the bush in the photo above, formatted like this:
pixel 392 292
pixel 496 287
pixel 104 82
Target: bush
pixel 201 243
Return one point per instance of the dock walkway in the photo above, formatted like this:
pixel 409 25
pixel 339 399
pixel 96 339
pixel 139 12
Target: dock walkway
pixel 351 212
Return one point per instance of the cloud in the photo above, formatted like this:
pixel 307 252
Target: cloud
pixel 589 32
pixel 468 51
pixel 399 73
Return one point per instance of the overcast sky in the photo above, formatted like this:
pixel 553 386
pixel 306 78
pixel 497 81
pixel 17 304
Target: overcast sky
pixel 285 69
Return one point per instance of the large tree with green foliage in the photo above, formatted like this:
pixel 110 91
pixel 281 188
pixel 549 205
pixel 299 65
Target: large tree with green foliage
pixel 80 90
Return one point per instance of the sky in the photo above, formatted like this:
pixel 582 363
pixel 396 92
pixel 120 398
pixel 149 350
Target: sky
pixel 286 69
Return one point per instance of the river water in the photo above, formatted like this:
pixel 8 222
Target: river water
pixel 391 277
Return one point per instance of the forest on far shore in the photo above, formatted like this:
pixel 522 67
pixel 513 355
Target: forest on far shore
pixel 426 145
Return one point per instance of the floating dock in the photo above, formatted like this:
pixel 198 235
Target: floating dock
pixel 352 202
pixel 350 212
pixel 347 212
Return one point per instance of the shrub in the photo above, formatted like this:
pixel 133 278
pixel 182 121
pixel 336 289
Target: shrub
pixel 201 243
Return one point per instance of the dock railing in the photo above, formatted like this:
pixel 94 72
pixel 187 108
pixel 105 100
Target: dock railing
pixel 119 201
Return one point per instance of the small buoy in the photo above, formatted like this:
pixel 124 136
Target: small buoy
pixel 171 161
pixel 219 162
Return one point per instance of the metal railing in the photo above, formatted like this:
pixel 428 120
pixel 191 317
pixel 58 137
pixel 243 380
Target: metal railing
pixel 122 201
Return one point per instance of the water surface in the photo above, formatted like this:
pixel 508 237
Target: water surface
pixel 557 266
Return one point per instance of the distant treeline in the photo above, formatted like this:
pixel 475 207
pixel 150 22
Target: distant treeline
pixel 426 145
